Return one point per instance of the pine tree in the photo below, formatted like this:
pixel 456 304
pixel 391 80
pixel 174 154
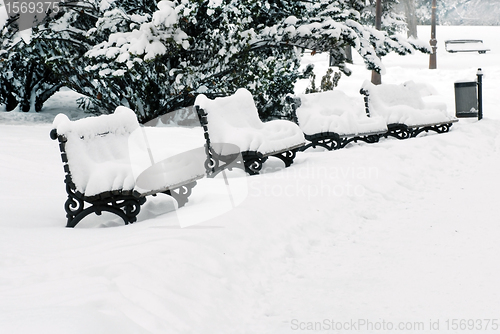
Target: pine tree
pixel 411 17
pixel 154 57
pixel 392 21
pixel 136 47
pixel 157 60
pixel 36 63
pixel 27 81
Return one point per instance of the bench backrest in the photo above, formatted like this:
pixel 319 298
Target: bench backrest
pixel 390 95
pixel 329 103
pixel 335 112
pixel 331 111
pixel 232 119
pixel 237 110
pixel 97 150
pixel 407 103
pixel 235 120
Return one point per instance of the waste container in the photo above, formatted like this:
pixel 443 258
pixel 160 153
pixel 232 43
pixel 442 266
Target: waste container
pixel 466 99
pixel 469 97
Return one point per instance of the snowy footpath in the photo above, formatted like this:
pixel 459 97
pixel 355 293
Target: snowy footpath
pixel 397 236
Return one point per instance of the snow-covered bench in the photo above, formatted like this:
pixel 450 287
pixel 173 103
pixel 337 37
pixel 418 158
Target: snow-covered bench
pixel 408 109
pixel 465 45
pixel 333 119
pixel 234 120
pixel 109 166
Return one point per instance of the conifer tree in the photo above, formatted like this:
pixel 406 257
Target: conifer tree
pixel 155 56
pixel 26 80
pixel 156 59
pixel 392 21
pixel 36 63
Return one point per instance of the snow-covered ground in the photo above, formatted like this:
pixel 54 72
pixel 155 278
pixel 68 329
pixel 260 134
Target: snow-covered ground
pixel 394 235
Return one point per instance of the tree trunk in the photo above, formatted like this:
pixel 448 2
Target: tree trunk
pixel 433 41
pixel 411 17
pixel 11 102
pixel 376 77
pixel 25 103
pixel 348 54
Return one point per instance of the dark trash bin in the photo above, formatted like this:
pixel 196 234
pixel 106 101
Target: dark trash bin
pixel 468 98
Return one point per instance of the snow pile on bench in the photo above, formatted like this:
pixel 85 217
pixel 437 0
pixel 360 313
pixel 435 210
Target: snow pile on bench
pixel 235 120
pixel 410 103
pixel 334 111
pixel 110 152
pixel 98 161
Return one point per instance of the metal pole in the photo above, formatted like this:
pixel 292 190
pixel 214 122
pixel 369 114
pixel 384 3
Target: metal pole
pixel 376 77
pixel 433 41
pixel 479 94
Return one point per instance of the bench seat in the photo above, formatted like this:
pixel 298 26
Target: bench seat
pixel 235 120
pixel 465 45
pixel 333 119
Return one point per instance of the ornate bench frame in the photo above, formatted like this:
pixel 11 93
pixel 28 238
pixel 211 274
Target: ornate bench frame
pixel 334 141
pixel 331 140
pixel 403 131
pixel 124 203
pixel 252 160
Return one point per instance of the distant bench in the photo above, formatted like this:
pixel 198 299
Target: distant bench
pixel 465 45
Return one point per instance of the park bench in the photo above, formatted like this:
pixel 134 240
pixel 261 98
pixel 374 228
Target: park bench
pixel 109 165
pixel 333 119
pixel 233 121
pixel 465 45
pixel 409 109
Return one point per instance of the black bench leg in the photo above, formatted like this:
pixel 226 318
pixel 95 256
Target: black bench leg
pixel 440 128
pixel 399 131
pixel 331 144
pixel 182 193
pixel 126 207
pixel 287 156
pixel 253 162
pixel 253 166
pixel 74 207
pixel 371 139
